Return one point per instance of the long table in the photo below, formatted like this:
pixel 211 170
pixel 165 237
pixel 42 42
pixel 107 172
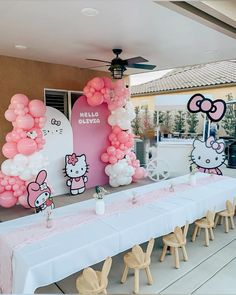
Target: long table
pixel 54 257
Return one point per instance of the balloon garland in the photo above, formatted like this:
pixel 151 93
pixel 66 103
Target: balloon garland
pixel 123 167
pixel 22 149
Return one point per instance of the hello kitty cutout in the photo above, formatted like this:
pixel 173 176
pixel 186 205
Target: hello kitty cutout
pixel 75 168
pixel 39 194
pixel 208 155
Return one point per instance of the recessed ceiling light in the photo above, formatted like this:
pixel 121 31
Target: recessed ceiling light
pixel 89 11
pixel 20 47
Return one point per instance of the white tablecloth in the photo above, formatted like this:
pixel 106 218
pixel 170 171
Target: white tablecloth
pixel 54 258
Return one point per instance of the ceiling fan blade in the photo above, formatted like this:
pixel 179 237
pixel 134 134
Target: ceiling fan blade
pixel 93 59
pixel 135 60
pixel 145 67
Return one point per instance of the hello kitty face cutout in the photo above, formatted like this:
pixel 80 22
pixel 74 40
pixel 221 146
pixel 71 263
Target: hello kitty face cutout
pixel 55 128
pixel 208 155
pixel 39 194
pixel 76 168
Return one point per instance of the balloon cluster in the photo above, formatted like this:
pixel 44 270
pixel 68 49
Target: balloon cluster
pixel 121 142
pixel 22 149
pixel 122 167
pixel 99 90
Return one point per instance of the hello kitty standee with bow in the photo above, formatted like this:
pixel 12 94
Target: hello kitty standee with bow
pixel 39 194
pixel 215 110
pixel 208 155
pixel 76 168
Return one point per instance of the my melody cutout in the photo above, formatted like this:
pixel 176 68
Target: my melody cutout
pixel 208 155
pixel 39 194
pixel 76 168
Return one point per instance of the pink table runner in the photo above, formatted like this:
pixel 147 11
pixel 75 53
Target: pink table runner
pixel 16 239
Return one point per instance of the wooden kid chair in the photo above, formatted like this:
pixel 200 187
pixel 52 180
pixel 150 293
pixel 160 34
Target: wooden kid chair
pixel 207 223
pixel 174 241
pixel 94 282
pixel 226 214
pixel 137 259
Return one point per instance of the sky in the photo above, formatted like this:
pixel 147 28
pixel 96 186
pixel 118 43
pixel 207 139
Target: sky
pixel 146 77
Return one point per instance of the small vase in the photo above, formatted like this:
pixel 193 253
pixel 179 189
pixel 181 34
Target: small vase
pixel 192 180
pixel 100 207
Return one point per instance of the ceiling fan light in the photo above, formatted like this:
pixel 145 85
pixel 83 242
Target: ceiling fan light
pixel 117 71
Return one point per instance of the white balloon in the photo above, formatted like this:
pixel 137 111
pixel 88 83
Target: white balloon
pixel 120 173
pixel 6 167
pixel 20 159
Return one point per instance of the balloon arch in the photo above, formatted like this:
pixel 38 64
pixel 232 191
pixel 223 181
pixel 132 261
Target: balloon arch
pixel 24 143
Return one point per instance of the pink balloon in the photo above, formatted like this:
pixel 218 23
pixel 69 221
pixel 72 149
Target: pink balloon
pixel 26 146
pixel 9 150
pixel 123 137
pixel 37 108
pixel 112 160
pixel 116 129
pixel 96 99
pixel 19 98
pixel 25 122
pixel 111 150
pixel 23 201
pixel 7 199
pixel 107 82
pixel 105 157
pixel 139 174
pixel 97 83
pixel 10 115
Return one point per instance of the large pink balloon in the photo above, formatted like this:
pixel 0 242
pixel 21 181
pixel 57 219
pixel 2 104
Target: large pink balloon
pixel 123 137
pixel 25 122
pixel 19 98
pixel 7 199
pixel 97 83
pixel 26 146
pixel 10 115
pixel 37 108
pixel 9 149
pixel 96 99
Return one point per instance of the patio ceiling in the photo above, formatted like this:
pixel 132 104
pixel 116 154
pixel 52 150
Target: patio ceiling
pixel 57 32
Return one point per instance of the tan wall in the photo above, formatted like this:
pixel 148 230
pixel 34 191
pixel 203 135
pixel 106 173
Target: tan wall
pixel 218 92
pixel 30 78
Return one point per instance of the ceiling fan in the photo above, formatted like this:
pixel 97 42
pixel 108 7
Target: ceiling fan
pixel 117 66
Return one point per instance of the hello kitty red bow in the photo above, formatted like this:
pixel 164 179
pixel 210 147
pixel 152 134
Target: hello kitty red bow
pixel 72 159
pixel 215 144
pixel 214 110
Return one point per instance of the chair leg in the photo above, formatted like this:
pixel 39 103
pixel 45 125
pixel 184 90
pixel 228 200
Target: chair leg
pixel 221 220
pixel 211 234
pixel 206 237
pixel 199 231
pixel 176 257
pixel 171 251
pixel 185 256
pixel 232 222
pixel 136 281
pixel 104 291
pixel 149 275
pixel 124 276
pixel 226 224
pixel 216 220
pixel 195 233
pixel 163 254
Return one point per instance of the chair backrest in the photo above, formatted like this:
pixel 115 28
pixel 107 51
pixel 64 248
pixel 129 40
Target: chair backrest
pixel 105 270
pixel 179 235
pixel 90 279
pixel 149 249
pixel 138 254
pixel 210 216
pixel 229 207
pixel 185 229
